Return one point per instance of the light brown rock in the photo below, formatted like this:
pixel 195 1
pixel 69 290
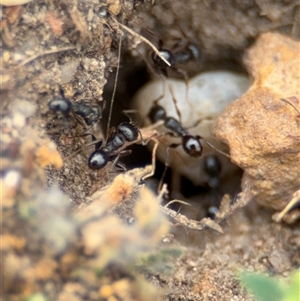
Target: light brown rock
pixel 261 130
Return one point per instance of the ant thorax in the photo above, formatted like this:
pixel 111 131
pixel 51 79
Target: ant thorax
pixel 195 107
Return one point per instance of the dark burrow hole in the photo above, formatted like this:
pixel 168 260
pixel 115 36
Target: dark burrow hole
pixel 133 74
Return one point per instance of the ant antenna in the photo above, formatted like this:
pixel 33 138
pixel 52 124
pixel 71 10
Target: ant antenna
pixel 217 150
pixel 115 84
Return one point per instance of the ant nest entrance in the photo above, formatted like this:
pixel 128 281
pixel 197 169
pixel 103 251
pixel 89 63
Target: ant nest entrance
pixel 191 109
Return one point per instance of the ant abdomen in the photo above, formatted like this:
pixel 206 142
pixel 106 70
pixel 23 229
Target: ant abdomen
pixel 192 145
pixel 98 159
pixel 157 113
pixel 212 166
pixel 128 130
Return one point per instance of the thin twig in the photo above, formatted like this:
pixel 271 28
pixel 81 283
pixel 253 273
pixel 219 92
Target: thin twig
pixel 189 223
pixel 45 53
pixel 291 104
pixel 115 86
pixel 177 201
pixel 226 210
pixel 146 41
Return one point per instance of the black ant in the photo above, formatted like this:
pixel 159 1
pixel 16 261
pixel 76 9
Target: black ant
pixel 123 136
pixel 125 132
pixel 190 144
pixel 90 114
pixel 212 166
pixel 191 52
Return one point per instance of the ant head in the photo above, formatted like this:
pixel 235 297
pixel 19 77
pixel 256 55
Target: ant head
pixel 62 105
pixel 158 62
pixel 212 166
pixel 212 212
pixel 128 130
pixel 157 113
pixel 98 159
pixel 192 145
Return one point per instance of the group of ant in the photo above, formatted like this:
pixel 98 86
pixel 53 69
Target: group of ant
pixel 127 133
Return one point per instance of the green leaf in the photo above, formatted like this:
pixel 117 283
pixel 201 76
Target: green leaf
pixel 262 287
pixel 159 261
pixel 292 291
pixel 36 297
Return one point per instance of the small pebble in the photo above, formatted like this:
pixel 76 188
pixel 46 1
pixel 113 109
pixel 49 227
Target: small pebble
pixel 12 179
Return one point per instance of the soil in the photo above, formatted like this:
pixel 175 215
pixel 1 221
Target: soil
pixel 55 246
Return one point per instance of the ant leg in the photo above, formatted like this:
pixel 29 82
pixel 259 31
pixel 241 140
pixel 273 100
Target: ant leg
pixel 186 80
pixel 161 181
pixel 98 144
pixel 95 142
pixel 146 60
pixel 116 158
pixel 175 104
pixel 61 91
pixel 62 123
pixel 149 132
pixel 121 166
pixel 132 111
pixel 78 119
pixel 151 173
pixel 144 142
